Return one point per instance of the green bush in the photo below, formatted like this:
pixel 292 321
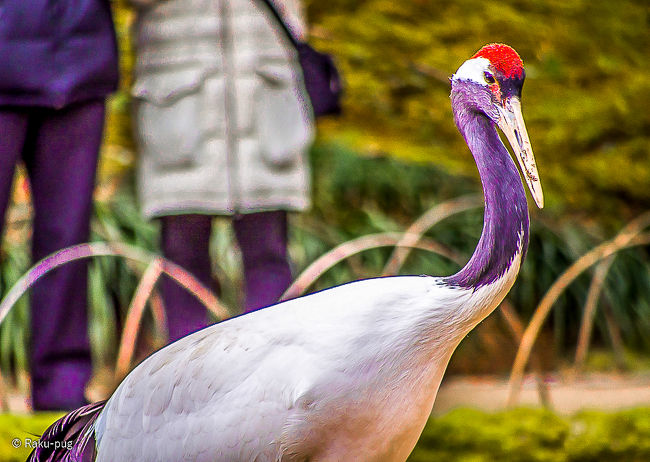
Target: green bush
pixel 535 435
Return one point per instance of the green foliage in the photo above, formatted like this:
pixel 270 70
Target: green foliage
pixel 493 437
pixel 597 436
pixel 529 435
pixel 349 188
pixel 356 195
pixel 22 427
pixel 585 100
pixel 14 332
pixel 113 281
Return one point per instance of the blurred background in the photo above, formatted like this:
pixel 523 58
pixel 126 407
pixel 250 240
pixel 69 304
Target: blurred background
pixel 394 154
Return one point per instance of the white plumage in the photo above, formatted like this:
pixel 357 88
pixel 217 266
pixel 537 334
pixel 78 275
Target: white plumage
pixel 326 377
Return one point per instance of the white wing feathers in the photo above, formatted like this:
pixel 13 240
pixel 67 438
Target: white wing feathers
pixel 232 390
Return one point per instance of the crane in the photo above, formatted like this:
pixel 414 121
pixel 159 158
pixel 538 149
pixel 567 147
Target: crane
pixel 346 374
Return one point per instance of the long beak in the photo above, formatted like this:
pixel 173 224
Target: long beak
pixel 511 122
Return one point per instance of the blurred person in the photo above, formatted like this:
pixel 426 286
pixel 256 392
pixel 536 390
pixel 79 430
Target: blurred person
pixel 222 125
pixel 59 62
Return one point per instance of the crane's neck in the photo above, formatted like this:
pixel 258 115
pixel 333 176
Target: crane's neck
pixel 423 336
pixel 505 222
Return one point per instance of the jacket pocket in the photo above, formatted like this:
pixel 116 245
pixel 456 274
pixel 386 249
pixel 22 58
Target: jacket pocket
pixel 284 119
pixel 169 116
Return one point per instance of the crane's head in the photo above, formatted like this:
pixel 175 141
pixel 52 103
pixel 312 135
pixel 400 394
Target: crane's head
pixel 496 75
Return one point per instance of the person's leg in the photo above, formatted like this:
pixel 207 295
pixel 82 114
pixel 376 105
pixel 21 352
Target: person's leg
pixel 185 240
pixel 61 153
pixel 262 238
pixel 13 129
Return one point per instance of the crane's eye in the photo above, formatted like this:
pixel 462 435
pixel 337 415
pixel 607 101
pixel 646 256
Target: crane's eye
pixel 489 78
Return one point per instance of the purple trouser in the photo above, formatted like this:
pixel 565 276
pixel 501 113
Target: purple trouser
pixel 262 238
pixel 60 149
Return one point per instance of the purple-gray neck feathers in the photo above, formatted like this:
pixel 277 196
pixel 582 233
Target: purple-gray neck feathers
pixel 505 223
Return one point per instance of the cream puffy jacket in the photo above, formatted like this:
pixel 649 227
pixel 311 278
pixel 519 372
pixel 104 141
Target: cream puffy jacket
pixel 221 118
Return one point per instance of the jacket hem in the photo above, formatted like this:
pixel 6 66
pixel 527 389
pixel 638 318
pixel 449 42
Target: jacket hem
pixel 201 208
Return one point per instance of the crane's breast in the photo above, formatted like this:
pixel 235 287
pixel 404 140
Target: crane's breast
pixel 371 421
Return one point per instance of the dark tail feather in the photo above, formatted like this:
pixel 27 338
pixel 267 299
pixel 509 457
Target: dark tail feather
pixel 71 438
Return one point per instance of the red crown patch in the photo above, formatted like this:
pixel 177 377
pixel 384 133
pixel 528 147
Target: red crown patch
pixel 503 58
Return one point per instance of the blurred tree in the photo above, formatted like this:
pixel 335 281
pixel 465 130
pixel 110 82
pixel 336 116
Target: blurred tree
pixel 585 101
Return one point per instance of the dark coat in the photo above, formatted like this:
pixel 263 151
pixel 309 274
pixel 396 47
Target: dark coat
pixel 56 52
